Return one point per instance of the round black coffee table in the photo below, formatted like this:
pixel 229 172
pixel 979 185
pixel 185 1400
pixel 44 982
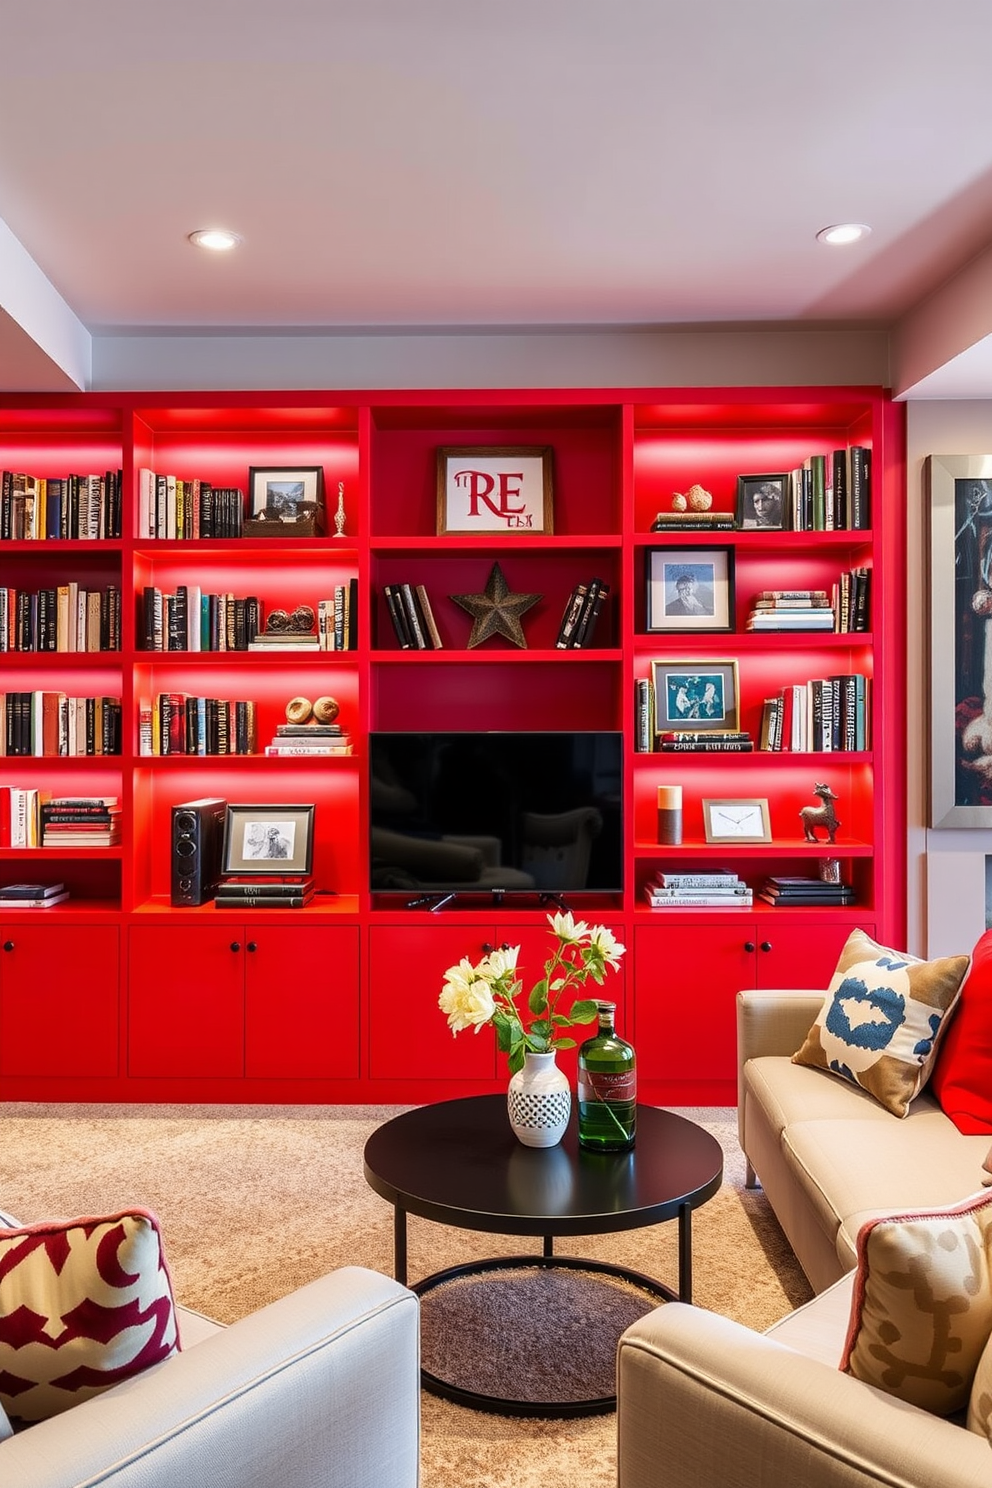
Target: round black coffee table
pixel 458 1163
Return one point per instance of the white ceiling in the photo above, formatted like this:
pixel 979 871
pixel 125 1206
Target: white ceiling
pixel 531 163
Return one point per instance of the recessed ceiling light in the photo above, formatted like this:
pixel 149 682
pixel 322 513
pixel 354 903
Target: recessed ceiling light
pixel 218 239
pixel 843 232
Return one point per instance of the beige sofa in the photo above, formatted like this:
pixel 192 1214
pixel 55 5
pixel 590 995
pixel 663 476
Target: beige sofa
pixel 318 1390
pixel 704 1401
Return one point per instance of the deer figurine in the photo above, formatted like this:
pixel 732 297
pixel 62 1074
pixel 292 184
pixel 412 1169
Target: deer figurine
pixel 823 815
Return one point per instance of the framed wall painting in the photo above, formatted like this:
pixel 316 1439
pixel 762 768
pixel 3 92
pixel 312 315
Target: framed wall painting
pixel 268 839
pixel 494 488
pixel 689 589
pixel 698 694
pixel 958 506
pixel 959 899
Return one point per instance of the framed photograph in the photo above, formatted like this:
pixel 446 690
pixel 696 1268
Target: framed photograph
pixel 268 839
pixel 689 589
pixel 698 694
pixel 276 495
pixel 494 488
pixel 958 502
pixel 763 501
pixel 737 819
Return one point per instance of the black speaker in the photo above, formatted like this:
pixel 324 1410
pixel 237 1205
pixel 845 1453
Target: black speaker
pixel 197 847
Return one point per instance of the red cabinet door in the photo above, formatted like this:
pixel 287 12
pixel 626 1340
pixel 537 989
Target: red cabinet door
pixel 799 953
pixel 186 1005
pixel 688 977
pixel 301 1001
pixel 59 999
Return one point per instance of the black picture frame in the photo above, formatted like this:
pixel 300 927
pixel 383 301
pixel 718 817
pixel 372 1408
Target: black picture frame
pixel 268 839
pixel 281 495
pixel 689 590
pixel 763 502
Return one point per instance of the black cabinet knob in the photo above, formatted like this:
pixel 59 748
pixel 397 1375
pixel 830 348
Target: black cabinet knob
pixel 235 945
pixel 766 945
pixel 749 945
pixel 8 945
pixel 488 947
pixel 252 946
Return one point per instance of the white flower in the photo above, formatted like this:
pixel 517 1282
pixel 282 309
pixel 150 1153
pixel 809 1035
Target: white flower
pixel 566 929
pixel 499 963
pixel 607 944
pixel 466 997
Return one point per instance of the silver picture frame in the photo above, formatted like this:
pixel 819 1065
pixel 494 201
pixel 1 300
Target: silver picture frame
pixel 957 493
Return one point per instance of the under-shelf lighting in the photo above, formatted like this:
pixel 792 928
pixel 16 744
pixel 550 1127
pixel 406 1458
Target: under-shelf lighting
pixel 217 239
pixel 843 232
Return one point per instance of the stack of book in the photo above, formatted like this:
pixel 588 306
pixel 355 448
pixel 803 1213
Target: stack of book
pixel 715 741
pixel 81 821
pixel 585 604
pixel 309 740
pixel 265 891
pixel 792 609
pixel 721 889
pixel 693 521
pixel 412 617
pixel 782 891
pixel 284 640
pixel 32 895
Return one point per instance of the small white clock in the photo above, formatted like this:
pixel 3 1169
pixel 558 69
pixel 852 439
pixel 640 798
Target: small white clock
pixel 737 820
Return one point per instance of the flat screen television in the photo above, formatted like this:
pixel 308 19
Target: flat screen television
pixel 497 813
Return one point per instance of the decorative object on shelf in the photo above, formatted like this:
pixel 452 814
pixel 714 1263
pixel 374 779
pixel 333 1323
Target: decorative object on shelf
pixel 298 710
pixel 762 501
pixel 740 819
pixel 326 709
pixel 607 1087
pixel 285 503
pixel 829 870
pixel 958 492
pixel 497 610
pixel 696 694
pixel 689 589
pixel 339 517
pixel 494 488
pixel 696 499
pixel 266 839
pixel 670 814
pixel 824 815
pixel 539 1101
pixel 473 996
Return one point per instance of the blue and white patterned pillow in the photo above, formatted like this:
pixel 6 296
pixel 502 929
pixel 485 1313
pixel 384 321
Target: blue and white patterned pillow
pixel 882 1019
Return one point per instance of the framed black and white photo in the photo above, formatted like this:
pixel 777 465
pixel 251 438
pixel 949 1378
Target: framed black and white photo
pixel 689 589
pixel 958 502
pixel 494 488
pixel 763 501
pixel 699 695
pixel 279 495
pixel 268 839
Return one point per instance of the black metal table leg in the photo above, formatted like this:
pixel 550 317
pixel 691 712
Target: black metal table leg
pixel 399 1244
pixel 685 1253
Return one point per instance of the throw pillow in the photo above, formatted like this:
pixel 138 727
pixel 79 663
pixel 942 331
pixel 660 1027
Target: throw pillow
pixel 84 1303
pixel 921 1311
pixel 980 1401
pixel 881 1019
pixel 962 1075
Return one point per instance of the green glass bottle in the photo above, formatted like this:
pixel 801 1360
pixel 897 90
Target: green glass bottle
pixel 607 1088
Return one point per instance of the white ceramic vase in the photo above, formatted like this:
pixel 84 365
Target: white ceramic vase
pixel 539 1101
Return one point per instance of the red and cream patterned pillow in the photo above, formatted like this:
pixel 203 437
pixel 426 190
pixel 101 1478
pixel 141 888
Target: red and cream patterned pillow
pixel 84 1303
pixel 921 1313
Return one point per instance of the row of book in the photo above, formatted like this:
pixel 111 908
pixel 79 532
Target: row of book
pixel 44 508
pixel 802 892
pixel 44 722
pixel 32 895
pixel 412 617
pixel 844 609
pixel 38 819
pixel 265 891
pixel 309 740
pixel 823 714
pixel 171 507
pixel 65 617
pixel 175 723
pixel 719 889
pixel 831 492
pixel 581 613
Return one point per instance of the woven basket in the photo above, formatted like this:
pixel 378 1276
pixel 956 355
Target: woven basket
pixel 309 526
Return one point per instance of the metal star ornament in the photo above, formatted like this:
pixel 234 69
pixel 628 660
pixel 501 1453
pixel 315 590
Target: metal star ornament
pixel 497 610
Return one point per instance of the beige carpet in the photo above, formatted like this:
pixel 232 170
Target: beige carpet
pixel 254 1201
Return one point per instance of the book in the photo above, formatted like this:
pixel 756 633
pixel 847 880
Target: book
pixel 12 892
pixel 720 877
pixel 301 749
pixel 682 736
pixel 706 746
pixel 425 605
pixel 700 901
pixel 261 901
pixel 267 883
pixel 719 891
pixel 592 608
pixel 570 617
pixel 45 902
